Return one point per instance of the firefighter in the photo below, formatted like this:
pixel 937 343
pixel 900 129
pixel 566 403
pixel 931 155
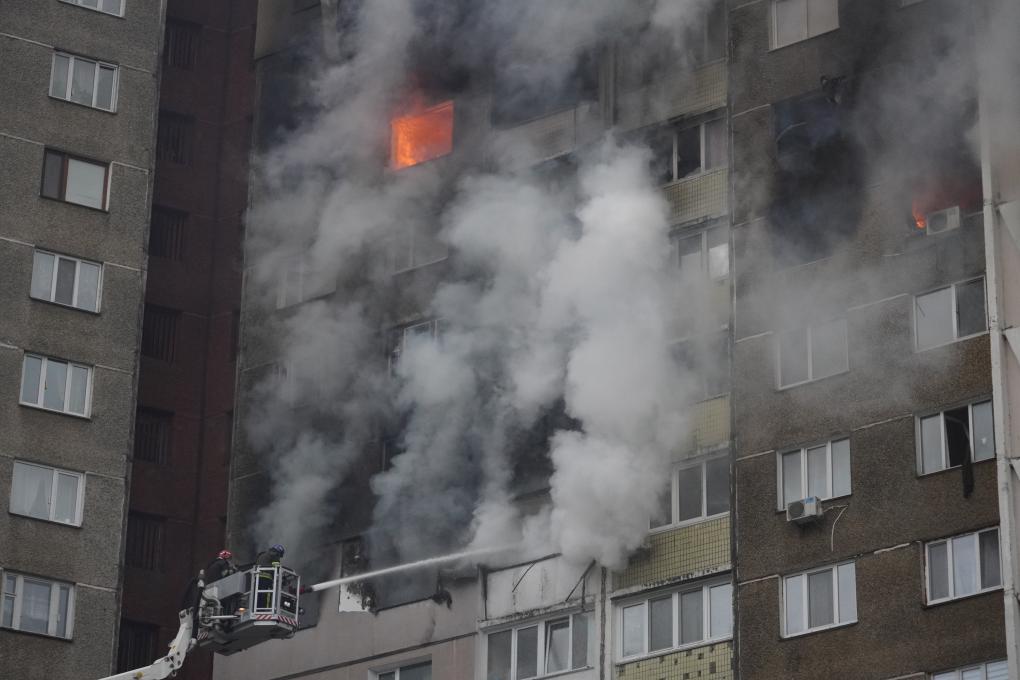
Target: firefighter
pixel 271 557
pixel 220 567
pixel 267 558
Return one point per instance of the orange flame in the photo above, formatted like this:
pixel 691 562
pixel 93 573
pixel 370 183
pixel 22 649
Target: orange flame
pixel 421 136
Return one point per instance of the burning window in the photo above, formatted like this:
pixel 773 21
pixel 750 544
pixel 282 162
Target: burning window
pixel 421 136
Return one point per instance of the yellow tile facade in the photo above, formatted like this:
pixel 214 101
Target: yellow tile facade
pixel 687 552
pixel 698 197
pixel 712 662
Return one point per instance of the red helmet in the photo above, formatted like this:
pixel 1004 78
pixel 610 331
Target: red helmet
pixel 225 555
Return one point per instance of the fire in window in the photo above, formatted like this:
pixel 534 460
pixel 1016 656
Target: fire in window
pixel 421 136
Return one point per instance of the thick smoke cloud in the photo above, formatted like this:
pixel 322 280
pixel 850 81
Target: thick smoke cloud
pixel 555 307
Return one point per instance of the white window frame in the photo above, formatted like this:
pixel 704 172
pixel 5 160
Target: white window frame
pixel 774 25
pixel 705 263
pixel 780 455
pixel 434 328
pixel 66 159
pixel 407 663
pixel 77 276
pixel 675 133
pixel 675 594
pixel 74 59
pixel 67 385
pixel 56 472
pixel 918 436
pixel 54 603
pixel 80 3
pixel 1001 669
pixel 542 643
pixel 952 312
pixel 948 542
pixel 806 603
pixel 810 330
pixel 674 494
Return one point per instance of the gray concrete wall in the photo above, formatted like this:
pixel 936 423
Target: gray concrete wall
pixel 89 556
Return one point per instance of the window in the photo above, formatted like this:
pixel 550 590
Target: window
pixel 949 314
pixel 400 338
pixel 114 7
pixel 180 49
pixel 963 565
pixel 705 254
pixel 66 280
pixel 173 138
pixel 697 492
pixel 707 360
pixel 152 435
pixel 84 81
pixel 823 598
pixel 166 233
pixel 137 646
pixel 993 670
pixel 796 20
pixel 299 282
pixel 675 620
pixel 56 385
pixel 812 353
pixel 144 544
pixel 421 136
pixel 709 37
pixel 37 605
pixel 539 649
pixel 419 671
pixel 821 471
pixel 682 153
pixel 75 180
pixel 948 438
pixel 415 245
pixel 159 332
pixel 47 493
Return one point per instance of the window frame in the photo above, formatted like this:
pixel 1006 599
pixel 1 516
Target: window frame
pixel 677 644
pixel 805 482
pixel 953 308
pixel 957 673
pixel 18 598
pixel 675 131
pixel 941 414
pixel 395 350
pixel 77 279
pixel 79 504
pixel 674 493
pixel 833 569
pixel 395 669
pixel 774 25
pixel 99 64
pixel 810 354
pixel 65 162
pixel 297 273
pixel 90 379
pixel 79 3
pixel 678 237
pixel 948 542
pixel 542 642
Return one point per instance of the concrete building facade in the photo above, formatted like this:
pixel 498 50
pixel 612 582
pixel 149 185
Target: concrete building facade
pixel 78 130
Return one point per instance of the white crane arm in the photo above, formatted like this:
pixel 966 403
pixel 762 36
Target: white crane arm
pixel 169 664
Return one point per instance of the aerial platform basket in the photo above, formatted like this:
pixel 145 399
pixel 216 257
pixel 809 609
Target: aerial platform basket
pixel 249 607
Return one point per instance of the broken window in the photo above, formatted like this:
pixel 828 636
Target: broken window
pixel 963 565
pixel 950 438
pixel 812 353
pixel 678 153
pixel 821 471
pixel 677 620
pixel 542 648
pixel 796 20
pixel 949 314
pixel 819 599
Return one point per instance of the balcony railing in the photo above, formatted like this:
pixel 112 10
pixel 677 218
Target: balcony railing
pixel 683 94
pixel 698 197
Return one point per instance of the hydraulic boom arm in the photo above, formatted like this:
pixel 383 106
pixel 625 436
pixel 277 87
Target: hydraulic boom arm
pixel 169 664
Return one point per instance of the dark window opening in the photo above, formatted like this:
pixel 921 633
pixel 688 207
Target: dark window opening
pixel 707 360
pixel 159 333
pixel 145 542
pixel 173 139
pixel 521 94
pixel 153 429
pixel 182 44
pixel 137 645
pixel 166 235
pixel 958 436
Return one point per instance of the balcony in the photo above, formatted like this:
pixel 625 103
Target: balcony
pixel 698 197
pixel 681 554
pixel 711 662
pixel 687 93
pixel 550 136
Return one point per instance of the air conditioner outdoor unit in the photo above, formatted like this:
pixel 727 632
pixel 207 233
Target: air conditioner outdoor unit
pixel 943 220
pixel 805 510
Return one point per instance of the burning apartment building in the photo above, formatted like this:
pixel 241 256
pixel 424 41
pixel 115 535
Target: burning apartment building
pixel 679 311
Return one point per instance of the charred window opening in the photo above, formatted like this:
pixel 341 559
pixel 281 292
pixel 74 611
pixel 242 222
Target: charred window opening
pixel 422 134
pixel 682 152
pixel 523 92
pixel 532 466
pixel 816 200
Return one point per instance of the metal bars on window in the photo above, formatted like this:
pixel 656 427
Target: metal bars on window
pixel 159 333
pixel 166 233
pixel 145 541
